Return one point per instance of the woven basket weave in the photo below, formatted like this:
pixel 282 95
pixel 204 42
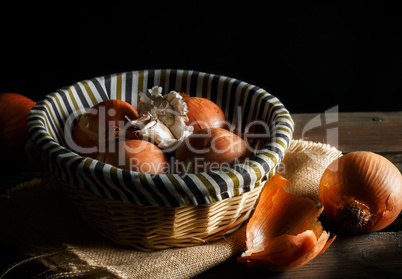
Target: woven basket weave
pixel 164 210
pixel 154 227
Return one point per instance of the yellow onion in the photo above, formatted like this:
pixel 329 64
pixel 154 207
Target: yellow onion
pixel 203 113
pixel 284 232
pixel 210 149
pixel 14 134
pixel 101 124
pixel 135 155
pixel 361 192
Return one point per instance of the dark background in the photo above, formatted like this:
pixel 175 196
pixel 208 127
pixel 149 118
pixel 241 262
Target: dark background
pixel 312 57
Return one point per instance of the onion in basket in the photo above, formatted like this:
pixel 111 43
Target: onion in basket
pixel 210 149
pixel 135 155
pixel 203 113
pixel 102 124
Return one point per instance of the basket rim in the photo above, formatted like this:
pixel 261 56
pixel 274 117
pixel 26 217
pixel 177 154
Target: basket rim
pixel 257 165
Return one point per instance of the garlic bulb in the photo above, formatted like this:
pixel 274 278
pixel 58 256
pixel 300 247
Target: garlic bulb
pixel 162 118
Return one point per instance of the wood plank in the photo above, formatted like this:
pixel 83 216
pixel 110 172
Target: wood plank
pixel 364 256
pixel 375 255
pixel 380 132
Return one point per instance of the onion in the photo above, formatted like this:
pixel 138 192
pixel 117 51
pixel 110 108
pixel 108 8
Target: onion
pixel 284 232
pixel 135 155
pixel 255 133
pixel 361 192
pixel 210 149
pixel 101 124
pixel 203 113
pixel 14 110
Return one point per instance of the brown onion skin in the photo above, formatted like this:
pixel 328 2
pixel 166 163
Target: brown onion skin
pixel 86 131
pixel 222 148
pixel 14 134
pixel 203 113
pixel 362 182
pixel 135 155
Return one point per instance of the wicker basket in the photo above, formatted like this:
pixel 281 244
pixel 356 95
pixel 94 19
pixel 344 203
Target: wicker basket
pixel 165 210
pixel 154 227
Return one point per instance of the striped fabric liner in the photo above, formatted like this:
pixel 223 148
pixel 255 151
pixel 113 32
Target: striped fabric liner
pixel 50 122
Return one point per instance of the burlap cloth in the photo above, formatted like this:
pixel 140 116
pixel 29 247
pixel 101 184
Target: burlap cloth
pixel 37 218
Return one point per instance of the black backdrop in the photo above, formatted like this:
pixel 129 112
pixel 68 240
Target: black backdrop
pixel 312 57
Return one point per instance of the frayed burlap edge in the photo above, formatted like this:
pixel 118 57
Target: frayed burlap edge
pixel 304 164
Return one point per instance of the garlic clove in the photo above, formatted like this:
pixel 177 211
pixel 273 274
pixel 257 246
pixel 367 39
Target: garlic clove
pixel 179 129
pixel 178 103
pixel 159 133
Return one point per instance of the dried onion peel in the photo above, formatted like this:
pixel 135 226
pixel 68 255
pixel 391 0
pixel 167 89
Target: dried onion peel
pixel 284 232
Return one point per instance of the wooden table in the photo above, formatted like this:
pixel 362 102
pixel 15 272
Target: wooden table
pixel 371 255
